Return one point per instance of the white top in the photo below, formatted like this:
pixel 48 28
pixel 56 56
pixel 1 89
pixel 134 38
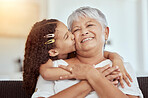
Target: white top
pixel 48 88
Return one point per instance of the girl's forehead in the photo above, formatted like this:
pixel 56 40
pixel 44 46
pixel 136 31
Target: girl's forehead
pixel 59 33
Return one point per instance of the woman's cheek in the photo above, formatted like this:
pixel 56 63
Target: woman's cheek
pixel 103 38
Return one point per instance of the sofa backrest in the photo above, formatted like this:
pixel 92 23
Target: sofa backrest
pixel 13 89
pixel 143 84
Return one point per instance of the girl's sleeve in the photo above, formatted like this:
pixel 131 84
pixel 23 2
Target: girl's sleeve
pixel 43 88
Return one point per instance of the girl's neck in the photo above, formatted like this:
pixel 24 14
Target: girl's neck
pixel 62 56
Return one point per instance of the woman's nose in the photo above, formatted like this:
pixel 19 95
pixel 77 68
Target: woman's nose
pixel 84 33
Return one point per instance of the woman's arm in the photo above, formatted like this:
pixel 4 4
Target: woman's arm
pixel 83 88
pixel 103 87
pixel 79 90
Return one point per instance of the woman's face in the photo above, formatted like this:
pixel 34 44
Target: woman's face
pixel 88 34
pixel 65 42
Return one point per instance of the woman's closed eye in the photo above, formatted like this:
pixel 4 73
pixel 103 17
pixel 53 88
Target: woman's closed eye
pixel 89 25
pixel 75 30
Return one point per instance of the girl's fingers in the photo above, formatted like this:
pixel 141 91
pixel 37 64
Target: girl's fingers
pixel 121 82
pixel 115 72
pixel 101 69
pixel 112 77
pixel 110 70
pixel 129 77
pixel 68 68
pixel 126 80
pixel 65 77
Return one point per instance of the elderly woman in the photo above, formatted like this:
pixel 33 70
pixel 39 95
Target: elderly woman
pixel 90 29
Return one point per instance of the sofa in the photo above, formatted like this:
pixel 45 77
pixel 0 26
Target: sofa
pixel 13 89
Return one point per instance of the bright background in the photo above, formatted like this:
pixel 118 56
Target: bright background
pixel 127 19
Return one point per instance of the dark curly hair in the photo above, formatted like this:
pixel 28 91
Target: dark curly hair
pixel 36 52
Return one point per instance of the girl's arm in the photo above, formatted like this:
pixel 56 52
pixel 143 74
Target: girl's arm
pixel 48 72
pixel 118 61
pixel 79 90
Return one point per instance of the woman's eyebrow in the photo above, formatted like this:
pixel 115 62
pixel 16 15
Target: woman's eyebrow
pixel 88 22
pixel 75 27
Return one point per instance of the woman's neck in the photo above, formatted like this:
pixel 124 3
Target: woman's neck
pixel 93 59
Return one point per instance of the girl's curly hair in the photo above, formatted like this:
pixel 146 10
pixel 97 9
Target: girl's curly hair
pixel 36 52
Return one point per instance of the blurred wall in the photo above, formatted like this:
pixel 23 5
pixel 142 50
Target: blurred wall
pixel 127 19
pixel 16 20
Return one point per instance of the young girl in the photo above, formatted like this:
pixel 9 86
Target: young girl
pixel 50 40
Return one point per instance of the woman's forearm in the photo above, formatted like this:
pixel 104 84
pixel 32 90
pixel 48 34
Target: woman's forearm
pixel 79 90
pixel 103 87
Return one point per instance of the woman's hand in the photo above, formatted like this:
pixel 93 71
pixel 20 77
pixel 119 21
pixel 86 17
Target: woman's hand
pixel 111 73
pixel 78 71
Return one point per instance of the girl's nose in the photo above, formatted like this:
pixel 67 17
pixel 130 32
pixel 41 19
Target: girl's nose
pixel 72 36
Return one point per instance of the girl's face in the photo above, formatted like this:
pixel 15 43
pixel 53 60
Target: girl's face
pixel 65 42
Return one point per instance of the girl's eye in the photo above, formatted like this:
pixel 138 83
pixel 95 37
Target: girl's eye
pixel 67 36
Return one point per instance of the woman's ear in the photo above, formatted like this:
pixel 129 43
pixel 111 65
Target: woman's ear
pixel 53 52
pixel 106 33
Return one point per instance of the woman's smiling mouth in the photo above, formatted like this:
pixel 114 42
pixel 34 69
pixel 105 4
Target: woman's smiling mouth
pixel 87 39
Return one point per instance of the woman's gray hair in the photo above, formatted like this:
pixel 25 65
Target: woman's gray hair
pixel 87 12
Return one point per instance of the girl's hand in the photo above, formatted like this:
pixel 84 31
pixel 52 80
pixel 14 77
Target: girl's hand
pixel 125 76
pixel 111 73
pixel 118 61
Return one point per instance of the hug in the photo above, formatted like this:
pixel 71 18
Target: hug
pixel 51 72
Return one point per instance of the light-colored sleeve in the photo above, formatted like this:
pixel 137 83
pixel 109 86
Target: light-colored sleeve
pixel 134 89
pixel 43 88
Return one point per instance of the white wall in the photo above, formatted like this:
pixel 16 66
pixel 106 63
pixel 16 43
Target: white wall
pixel 144 4
pixel 127 27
